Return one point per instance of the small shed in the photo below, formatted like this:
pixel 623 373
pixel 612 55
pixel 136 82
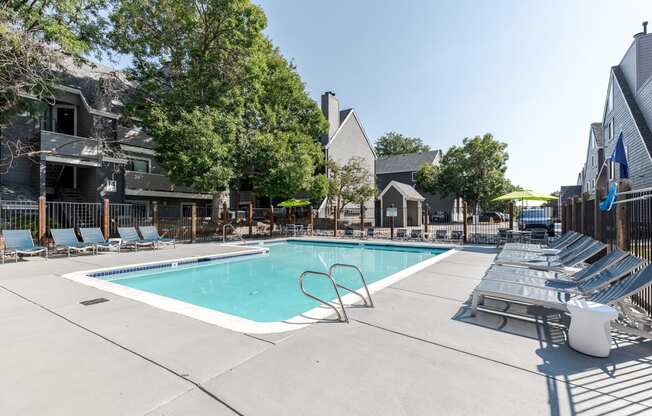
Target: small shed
pixel 407 202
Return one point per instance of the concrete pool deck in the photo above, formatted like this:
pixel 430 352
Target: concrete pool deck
pixel 417 352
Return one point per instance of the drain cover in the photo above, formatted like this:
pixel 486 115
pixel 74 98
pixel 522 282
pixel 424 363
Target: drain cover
pixel 93 301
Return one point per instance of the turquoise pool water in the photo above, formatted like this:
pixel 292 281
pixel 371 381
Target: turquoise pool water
pixel 264 287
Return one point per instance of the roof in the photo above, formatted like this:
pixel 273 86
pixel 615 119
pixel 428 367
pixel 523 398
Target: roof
pixel 409 162
pixel 345 115
pixel 634 110
pixel 406 190
pixel 598 133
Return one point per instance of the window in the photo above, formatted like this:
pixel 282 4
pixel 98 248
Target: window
pixel 414 176
pixel 139 165
pixel 611 130
pixel 65 119
pixel 610 97
pixel 593 160
pixel 612 170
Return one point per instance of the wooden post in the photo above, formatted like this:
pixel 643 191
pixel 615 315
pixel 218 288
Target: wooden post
pixel 42 218
pixel 597 217
pixel 582 202
pixel 573 219
pixel 106 218
pixel 155 214
pixel 271 219
pixel 193 223
pixel 362 218
pixel 465 213
pixel 225 213
pixel 622 220
pixel 335 215
pixel 312 221
pixel 250 218
pixel 426 214
pixel 511 215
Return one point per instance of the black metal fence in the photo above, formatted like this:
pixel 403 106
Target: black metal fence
pixel 19 215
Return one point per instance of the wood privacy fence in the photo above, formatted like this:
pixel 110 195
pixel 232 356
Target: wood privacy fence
pixel 626 226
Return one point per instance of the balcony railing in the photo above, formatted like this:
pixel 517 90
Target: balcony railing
pixel 69 146
pixel 153 182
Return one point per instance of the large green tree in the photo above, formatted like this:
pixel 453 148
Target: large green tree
pixel 349 183
pixel 474 171
pixel 393 143
pixel 206 63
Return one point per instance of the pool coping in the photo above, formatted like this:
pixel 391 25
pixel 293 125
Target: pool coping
pixel 236 323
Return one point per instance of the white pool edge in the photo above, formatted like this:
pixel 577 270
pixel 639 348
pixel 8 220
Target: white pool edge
pixel 236 323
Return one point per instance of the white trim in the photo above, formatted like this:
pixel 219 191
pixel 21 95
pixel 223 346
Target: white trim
pixel 137 149
pixel 166 194
pixel 88 107
pixel 71 161
pixel 239 324
pixel 342 123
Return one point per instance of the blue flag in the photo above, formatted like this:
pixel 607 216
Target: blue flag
pixel 620 156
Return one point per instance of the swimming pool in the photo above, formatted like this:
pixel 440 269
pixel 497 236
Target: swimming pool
pixel 260 284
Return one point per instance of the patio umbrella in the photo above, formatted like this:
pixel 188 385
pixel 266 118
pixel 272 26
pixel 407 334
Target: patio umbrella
pixel 291 203
pixel 525 195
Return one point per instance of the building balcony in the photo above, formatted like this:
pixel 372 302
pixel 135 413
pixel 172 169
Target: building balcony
pixel 156 185
pixel 65 148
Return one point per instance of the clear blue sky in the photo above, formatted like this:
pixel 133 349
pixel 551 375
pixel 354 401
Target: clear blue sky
pixel 533 73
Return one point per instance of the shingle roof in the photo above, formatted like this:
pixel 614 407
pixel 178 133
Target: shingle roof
pixel 408 191
pixel 598 133
pixel 405 163
pixel 641 124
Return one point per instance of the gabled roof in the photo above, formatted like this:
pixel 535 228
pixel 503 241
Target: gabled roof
pixel 345 116
pixel 406 190
pixel 598 134
pixel 409 162
pixel 633 108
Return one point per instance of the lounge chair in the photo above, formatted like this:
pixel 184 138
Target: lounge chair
pixel 348 232
pixel 441 235
pixel 94 236
pixel 416 235
pixel 130 239
pixel 371 233
pixel 401 234
pixel 576 276
pixel 562 242
pixel 150 233
pixel 513 255
pixel 457 235
pixel 557 300
pixel 19 242
pixel 584 286
pixel 65 239
pixel 562 263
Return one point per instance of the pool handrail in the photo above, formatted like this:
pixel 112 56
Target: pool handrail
pixel 364 282
pixel 310 295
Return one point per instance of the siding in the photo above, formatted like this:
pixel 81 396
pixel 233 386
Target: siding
pixel 22 169
pixel 349 143
pixel 644 55
pixel 628 64
pixel 640 165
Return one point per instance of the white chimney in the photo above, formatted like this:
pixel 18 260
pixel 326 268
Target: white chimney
pixel 331 109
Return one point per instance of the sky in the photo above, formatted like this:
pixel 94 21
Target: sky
pixel 533 73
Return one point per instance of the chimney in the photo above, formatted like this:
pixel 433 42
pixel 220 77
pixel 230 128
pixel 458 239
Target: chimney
pixel 644 32
pixel 331 109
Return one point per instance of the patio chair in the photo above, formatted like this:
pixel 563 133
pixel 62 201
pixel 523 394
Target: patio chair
pixel 558 244
pixel 507 256
pixel 94 236
pixel 401 234
pixel 416 235
pixel 130 239
pixel 457 236
pixel 583 286
pixel 66 240
pixel 563 263
pixel 574 276
pixel 149 232
pixel 19 242
pixel 557 300
pixel 348 232
pixel 441 235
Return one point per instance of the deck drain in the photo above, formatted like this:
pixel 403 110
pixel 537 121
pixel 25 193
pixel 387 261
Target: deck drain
pixel 93 301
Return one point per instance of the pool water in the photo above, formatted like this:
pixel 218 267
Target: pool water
pixel 264 287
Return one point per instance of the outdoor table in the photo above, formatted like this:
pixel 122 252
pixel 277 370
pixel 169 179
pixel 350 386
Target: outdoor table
pixel 590 329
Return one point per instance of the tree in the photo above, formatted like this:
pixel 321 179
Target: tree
pixel 205 63
pixel 349 183
pixel 393 143
pixel 474 171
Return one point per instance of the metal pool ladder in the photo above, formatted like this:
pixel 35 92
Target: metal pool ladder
pixel 341 316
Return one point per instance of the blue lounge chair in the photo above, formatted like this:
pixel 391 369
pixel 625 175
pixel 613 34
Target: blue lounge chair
pixel 66 240
pixel 94 236
pixel 19 242
pixel 150 232
pixel 130 238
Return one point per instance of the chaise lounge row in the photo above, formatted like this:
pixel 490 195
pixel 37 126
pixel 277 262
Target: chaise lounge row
pixel 20 243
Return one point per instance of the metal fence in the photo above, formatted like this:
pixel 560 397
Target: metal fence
pixel 73 215
pixel 19 215
pixel 128 215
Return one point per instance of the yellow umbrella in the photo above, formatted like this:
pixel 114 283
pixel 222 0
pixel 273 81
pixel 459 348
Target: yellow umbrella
pixel 525 195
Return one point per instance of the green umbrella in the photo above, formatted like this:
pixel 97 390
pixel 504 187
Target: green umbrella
pixel 291 203
pixel 525 195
